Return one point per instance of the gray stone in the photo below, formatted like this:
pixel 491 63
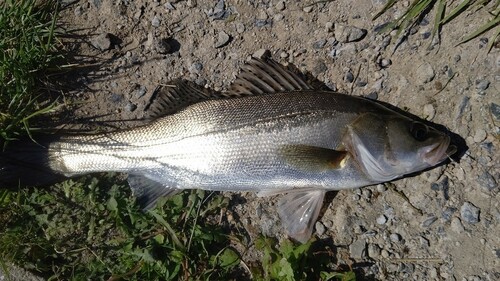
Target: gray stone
pixel 381 219
pixel 280 6
pixel 320 228
pixel 141 91
pixel 482 84
pixel 349 77
pixel 429 221
pixel 480 135
pixel 130 107
pixel 487 181
pixel 240 27
pixel 346 34
pixel 429 111
pixel 319 44
pixel 155 22
pixel 373 251
pixel 358 249
pixel 261 54
pixel 424 73
pixel 308 9
pixel 195 67
pixel 495 110
pixel 469 213
pixel 102 42
pixel 448 213
pixel 395 237
pixel 222 39
pixel 385 62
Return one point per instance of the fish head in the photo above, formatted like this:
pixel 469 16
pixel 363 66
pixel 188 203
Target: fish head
pixel 391 145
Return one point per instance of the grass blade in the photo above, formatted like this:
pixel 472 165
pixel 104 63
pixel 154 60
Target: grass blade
pixel 487 26
pixel 455 12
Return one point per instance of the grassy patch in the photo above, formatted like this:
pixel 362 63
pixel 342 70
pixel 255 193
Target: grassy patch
pixel 27 43
pixel 78 230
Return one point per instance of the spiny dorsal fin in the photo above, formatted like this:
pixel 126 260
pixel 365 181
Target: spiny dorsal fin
pixel 313 158
pixel 260 77
pixel 175 96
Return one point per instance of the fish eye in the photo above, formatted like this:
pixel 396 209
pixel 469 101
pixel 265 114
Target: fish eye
pixel 419 131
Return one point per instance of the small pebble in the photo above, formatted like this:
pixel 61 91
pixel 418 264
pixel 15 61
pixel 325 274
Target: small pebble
pixel 372 95
pixel 456 225
pixel 141 91
pixel 329 26
pixel 346 34
pixel 448 213
pixel 424 241
pixel 308 9
pixel 429 111
pixel 385 253
pixel 280 6
pixel 487 181
pixel 261 54
pixel 495 110
pixel 482 85
pixel 395 237
pixel 349 77
pixel 429 221
pixel 381 219
pixel 240 27
pixel 284 55
pixel 373 251
pixel 367 194
pixel 381 188
pixel 385 62
pixel 320 228
pixel 457 58
pixel 195 67
pixel 425 73
pixel 358 249
pixel 155 22
pixel 130 107
pixel 319 44
pixel 480 135
pixel 469 213
pixel 102 42
pixel 222 39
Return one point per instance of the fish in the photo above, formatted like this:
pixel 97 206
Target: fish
pixel 271 133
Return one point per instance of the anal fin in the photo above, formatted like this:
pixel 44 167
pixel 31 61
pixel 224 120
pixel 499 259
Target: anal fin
pixel 299 210
pixel 148 191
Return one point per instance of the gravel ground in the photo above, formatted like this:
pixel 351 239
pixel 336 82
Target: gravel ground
pixel 443 224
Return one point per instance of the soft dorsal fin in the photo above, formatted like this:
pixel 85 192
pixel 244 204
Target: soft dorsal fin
pixel 313 158
pixel 260 77
pixel 175 96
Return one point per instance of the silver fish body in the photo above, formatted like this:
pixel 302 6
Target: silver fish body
pixel 275 135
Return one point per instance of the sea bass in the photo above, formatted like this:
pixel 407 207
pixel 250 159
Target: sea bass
pixel 271 133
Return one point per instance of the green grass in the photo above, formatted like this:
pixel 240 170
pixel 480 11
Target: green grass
pixel 419 8
pixel 27 47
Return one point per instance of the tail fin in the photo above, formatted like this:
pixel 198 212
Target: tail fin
pixel 26 163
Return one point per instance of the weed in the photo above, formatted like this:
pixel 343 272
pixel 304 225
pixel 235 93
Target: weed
pixel 295 262
pixel 419 8
pixel 27 42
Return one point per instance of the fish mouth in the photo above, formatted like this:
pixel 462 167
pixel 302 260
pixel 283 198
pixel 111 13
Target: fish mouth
pixel 438 152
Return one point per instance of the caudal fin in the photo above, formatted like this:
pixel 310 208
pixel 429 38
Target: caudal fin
pixel 26 163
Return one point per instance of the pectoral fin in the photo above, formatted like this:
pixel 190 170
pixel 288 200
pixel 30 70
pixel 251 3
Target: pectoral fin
pixel 299 211
pixel 148 191
pixel 313 158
